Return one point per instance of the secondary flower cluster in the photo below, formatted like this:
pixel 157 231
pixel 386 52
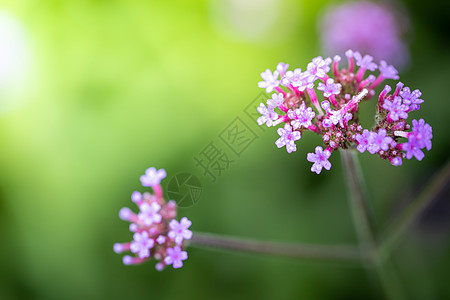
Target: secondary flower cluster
pixel 296 104
pixel 156 231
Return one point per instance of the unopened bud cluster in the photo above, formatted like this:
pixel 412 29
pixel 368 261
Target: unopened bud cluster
pixel 331 109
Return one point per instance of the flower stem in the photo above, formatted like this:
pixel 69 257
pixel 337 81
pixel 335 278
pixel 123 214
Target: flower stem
pixel 364 221
pixel 408 216
pixel 315 252
pixel 362 211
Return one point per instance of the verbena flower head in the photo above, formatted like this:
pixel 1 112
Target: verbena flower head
pixel 370 27
pixel 340 92
pixel 157 233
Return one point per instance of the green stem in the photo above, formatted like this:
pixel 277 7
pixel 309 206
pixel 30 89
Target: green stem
pixel 314 252
pixel 408 216
pixel 364 221
pixel 362 211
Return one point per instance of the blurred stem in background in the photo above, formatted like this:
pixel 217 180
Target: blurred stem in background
pixel 410 214
pixel 372 252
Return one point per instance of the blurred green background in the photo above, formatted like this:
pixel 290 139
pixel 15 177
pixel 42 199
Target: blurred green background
pixel 114 87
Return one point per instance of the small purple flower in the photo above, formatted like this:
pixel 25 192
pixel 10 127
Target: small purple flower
pixel 412 148
pixel 347 117
pixel 277 100
pixel 129 260
pixel 365 62
pixel 161 239
pixel 364 140
pixel 423 133
pixel 126 214
pixel 349 53
pixel 387 89
pixel 396 161
pixel 330 88
pixel 153 177
pixel 302 116
pixel 320 159
pixel 379 141
pixel 288 138
pixel 175 257
pixel 180 231
pixel 306 83
pixel 120 248
pixel 388 71
pixel 297 79
pixel 136 197
pixel 411 98
pixel 337 116
pixel 270 80
pixel 149 213
pixel 267 115
pixel 327 123
pixel 141 244
pixel 134 227
pixel 325 105
pixel 291 77
pixel 396 109
pixel 318 68
pixel 282 68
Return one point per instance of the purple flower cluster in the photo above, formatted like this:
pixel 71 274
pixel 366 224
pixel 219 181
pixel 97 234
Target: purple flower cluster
pixel 333 112
pixel 375 28
pixel 156 231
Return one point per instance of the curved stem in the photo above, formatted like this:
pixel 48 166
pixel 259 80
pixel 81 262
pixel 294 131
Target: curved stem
pixel 316 252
